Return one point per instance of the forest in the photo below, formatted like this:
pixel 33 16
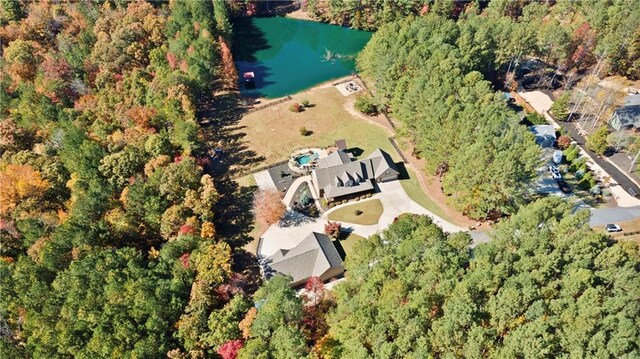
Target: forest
pixel 111 243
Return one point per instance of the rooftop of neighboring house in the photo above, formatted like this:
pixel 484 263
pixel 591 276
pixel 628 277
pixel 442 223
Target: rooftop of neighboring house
pixel 315 256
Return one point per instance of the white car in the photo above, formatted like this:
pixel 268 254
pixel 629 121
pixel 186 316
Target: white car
pixel 613 228
pixel 557 157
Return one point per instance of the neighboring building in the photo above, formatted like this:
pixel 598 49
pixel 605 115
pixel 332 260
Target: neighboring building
pixel 545 135
pixel 315 256
pixel 627 115
pixel 338 176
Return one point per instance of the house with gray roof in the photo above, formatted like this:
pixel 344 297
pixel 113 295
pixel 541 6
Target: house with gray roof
pixel 315 256
pixel 627 115
pixel 338 176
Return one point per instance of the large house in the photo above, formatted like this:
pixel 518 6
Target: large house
pixel 338 176
pixel 315 256
pixel 627 115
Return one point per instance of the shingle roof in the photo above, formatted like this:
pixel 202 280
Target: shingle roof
pixel 337 170
pixel 629 113
pixel 314 256
pixel 382 161
pixel 334 159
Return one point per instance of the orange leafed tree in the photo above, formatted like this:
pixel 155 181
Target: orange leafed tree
pixel 19 183
pixel 268 206
pixel 228 67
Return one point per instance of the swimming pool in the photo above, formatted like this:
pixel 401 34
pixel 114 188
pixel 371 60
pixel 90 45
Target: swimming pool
pixel 307 158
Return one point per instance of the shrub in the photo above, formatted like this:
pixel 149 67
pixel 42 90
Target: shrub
pixel 365 105
pixel 564 142
pixel 571 153
pixel 304 132
pixel 332 229
pixel 305 103
pixel 536 119
pixel 295 107
pixel 358 212
pixel 560 108
pixel 597 141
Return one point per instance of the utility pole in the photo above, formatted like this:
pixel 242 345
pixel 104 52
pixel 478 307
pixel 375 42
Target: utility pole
pixel 634 162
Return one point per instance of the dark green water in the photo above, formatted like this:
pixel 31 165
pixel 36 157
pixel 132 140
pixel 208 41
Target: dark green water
pixel 289 55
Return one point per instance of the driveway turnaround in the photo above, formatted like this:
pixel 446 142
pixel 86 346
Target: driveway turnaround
pixel 395 201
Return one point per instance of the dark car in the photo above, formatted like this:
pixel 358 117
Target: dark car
pixel 564 187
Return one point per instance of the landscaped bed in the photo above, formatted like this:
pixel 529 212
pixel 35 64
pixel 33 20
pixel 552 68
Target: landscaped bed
pixel 364 213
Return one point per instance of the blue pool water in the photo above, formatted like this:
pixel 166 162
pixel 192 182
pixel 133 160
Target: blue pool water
pixel 304 159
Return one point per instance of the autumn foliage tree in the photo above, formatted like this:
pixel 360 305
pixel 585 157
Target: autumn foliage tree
pixel 268 206
pixel 332 229
pixel 20 184
pixel 229 350
pixel 564 142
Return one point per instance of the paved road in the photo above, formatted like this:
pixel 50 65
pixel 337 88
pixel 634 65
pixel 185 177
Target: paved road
pixel 614 172
pixel 613 215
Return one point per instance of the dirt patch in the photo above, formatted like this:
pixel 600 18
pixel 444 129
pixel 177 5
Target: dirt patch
pixel 301 15
pixel 378 120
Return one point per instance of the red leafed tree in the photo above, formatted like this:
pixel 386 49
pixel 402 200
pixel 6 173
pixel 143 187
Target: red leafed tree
pixel 229 350
pixel 315 290
pixel 564 142
pixel 268 206
pixel 236 284
pixel 314 320
pixel 332 229
pixel 582 46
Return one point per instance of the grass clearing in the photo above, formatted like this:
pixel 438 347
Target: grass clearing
pixel 371 210
pixel 247 181
pixel 274 132
pixel 347 244
pixel 627 227
pixel 413 189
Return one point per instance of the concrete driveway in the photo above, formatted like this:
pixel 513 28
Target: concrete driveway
pixel 395 201
pixel 264 181
pixel 613 215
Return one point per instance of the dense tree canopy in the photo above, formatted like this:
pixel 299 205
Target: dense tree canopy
pixel 463 129
pixel 566 33
pixel 545 286
pixel 109 245
pixel 104 192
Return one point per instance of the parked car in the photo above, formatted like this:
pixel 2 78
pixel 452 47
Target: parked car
pixel 564 187
pixel 555 173
pixel 557 157
pixel 613 228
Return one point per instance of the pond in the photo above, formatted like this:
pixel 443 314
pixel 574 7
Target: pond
pixel 289 55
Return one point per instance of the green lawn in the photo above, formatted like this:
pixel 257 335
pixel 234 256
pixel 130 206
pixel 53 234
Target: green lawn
pixel 347 244
pixel 273 133
pixel 371 212
pixel 416 193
